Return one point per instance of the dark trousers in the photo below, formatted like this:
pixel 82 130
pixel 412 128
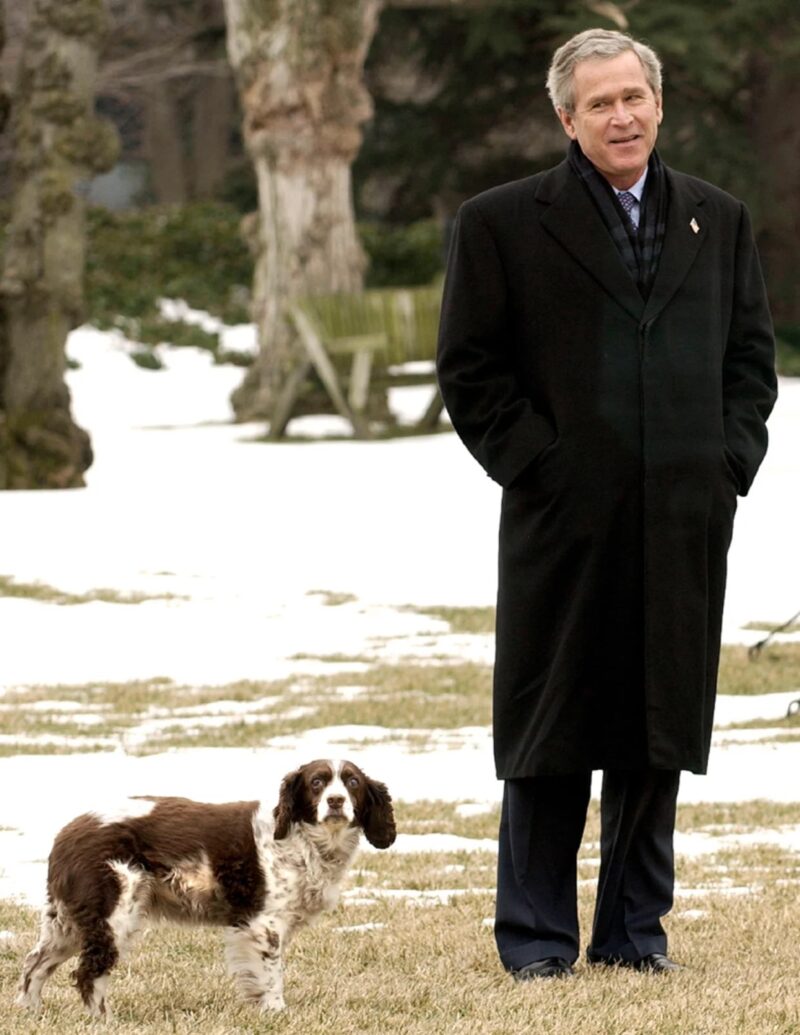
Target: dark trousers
pixel 540 833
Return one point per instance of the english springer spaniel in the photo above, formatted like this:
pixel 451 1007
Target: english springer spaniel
pixel 259 872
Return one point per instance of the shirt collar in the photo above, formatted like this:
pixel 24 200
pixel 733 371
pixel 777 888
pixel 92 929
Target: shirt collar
pixel 637 190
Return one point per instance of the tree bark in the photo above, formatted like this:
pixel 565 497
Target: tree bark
pixel 299 68
pixel 4 101
pixel 4 111
pixel 776 90
pixel 163 144
pixel 213 111
pixel 58 145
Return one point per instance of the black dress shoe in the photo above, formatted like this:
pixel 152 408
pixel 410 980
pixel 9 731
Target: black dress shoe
pixel 656 963
pixel 552 967
pixel 652 963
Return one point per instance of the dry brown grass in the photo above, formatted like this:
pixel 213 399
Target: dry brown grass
pixel 473 620
pixel 433 970
pixel 414 697
pixel 429 969
pixel 722 817
pixel 776 668
pixel 40 591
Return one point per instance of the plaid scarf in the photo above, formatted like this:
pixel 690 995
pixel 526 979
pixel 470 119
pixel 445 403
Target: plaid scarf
pixel 640 250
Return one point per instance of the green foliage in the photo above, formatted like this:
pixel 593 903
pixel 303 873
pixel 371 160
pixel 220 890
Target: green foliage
pixel 197 253
pixel 710 53
pixel 146 359
pixel 158 330
pixel 460 106
pixel 194 252
pixel 136 257
pixel 239 187
pixel 402 256
pixel 489 67
pixel 789 335
pixel 485 69
pixel 787 341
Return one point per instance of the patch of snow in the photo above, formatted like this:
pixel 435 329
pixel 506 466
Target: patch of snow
pixel 245 535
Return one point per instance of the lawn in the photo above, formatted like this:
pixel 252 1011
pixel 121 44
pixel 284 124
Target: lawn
pixel 410 949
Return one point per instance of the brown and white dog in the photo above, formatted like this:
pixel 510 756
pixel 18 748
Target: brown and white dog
pixel 257 871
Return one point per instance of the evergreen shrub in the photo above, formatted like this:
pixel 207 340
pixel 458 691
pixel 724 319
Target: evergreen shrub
pixel 787 342
pixel 196 252
pixel 402 256
pixel 147 359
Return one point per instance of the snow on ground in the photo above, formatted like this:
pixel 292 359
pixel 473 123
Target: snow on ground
pixel 246 539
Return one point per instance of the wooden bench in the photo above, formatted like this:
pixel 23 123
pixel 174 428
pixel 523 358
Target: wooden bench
pixel 355 340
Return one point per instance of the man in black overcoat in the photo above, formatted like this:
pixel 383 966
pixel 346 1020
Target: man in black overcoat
pixel 606 354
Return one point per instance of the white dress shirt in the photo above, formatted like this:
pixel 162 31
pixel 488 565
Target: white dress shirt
pixel 637 190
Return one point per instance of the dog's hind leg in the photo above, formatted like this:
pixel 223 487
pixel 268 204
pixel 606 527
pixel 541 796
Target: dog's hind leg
pixel 254 959
pixel 58 940
pixel 97 959
pixel 105 942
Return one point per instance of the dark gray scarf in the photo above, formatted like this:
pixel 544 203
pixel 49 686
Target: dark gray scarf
pixel 640 250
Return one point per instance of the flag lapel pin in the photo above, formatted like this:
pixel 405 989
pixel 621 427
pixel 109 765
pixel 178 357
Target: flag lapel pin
pixel 695 225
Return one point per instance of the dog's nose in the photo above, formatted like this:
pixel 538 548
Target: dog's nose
pixel 336 801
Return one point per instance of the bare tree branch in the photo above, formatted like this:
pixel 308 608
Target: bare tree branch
pixel 430 4
pixel 156 65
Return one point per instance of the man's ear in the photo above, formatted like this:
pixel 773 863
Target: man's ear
pixel 567 121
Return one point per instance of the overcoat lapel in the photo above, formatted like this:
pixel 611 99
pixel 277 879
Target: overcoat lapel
pixel 572 219
pixel 686 232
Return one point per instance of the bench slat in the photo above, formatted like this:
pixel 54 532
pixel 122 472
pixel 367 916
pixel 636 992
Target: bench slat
pixel 393 326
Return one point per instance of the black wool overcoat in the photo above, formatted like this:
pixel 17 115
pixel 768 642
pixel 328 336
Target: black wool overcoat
pixel 621 430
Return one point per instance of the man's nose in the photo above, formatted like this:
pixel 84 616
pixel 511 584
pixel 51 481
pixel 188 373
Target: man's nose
pixel 620 112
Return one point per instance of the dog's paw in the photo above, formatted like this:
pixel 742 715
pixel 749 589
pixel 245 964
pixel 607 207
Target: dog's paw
pixel 25 1001
pixel 272 1003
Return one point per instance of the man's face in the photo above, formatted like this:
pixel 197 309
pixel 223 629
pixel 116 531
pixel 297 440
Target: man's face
pixel 616 116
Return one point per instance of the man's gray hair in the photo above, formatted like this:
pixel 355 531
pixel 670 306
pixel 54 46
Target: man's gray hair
pixel 595 43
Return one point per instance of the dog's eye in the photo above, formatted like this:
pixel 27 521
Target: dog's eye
pixel 352 782
pixel 317 783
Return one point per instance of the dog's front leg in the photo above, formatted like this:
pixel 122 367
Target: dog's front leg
pixel 254 959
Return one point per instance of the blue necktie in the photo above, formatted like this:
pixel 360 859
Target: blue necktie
pixel 628 200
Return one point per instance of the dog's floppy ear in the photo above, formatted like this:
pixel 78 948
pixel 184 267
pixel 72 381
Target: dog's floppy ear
pixel 286 809
pixel 377 815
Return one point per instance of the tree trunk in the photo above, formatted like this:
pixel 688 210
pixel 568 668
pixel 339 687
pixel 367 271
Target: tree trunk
pixel 4 101
pixel 4 110
pixel 58 145
pixel 164 146
pixel 213 112
pixel 776 90
pixel 299 68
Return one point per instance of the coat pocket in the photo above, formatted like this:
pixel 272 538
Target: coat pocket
pixel 731 467
pixel 531 476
